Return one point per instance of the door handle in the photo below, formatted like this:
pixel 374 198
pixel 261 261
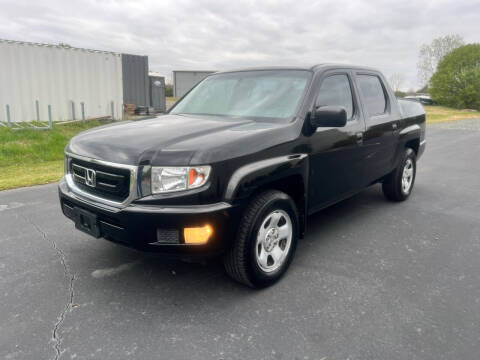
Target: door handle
pixel 359 137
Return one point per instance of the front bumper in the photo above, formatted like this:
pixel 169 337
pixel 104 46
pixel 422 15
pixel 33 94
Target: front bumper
pixel 141 226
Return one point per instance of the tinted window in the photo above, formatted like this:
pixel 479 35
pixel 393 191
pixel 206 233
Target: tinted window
pixel 335 91
pixel 373 94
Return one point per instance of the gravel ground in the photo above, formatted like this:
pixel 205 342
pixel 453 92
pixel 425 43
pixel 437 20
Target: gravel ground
pixel 371 280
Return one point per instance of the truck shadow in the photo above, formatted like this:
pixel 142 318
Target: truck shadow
pixel 337 216
pixel 139 273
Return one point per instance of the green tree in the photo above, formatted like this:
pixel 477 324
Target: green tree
pixel 456 82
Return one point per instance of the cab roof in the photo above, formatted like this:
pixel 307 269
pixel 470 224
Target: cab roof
pixel 314 68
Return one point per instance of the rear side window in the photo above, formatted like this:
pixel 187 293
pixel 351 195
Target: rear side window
pixel 335 91
pixel 373 95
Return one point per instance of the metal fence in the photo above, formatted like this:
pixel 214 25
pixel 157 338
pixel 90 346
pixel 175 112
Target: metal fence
pixel 40 123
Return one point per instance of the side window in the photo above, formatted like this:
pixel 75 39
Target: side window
pixel 373 94
pixel 335 91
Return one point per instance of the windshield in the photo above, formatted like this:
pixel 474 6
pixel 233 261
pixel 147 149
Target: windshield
pixel 257 94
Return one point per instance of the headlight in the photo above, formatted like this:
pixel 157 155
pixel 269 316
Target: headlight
pixel 170 179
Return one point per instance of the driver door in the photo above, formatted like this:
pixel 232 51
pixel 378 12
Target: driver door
pixel 336 163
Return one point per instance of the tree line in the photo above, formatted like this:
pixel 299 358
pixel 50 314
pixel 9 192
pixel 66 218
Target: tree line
pixel 450 72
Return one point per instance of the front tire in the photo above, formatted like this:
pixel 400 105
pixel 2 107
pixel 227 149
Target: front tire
pixel 399 183
pixel 266 240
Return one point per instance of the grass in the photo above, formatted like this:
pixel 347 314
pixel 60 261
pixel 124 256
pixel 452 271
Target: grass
pixel 437 114
pixel 30 157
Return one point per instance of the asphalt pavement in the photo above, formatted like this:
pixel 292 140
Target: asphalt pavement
pixel 371 280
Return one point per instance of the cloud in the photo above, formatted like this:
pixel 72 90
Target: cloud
pixel 218 35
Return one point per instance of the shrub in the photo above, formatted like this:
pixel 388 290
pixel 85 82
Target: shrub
pixel 456 82
pixel 168 90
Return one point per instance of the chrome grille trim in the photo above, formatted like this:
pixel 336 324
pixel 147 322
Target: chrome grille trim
pixel 133 189
pixel 80 174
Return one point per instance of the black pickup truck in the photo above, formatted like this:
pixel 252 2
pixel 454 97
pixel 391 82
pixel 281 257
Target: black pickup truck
pixel 238 164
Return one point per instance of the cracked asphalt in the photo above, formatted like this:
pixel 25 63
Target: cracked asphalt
pixel 371 280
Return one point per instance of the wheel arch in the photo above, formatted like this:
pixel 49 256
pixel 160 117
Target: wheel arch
pixel 408 137
pixel 288 174
pixel 413 144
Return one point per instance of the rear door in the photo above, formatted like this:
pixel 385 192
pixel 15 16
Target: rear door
pixel 381 134
pixel 336 161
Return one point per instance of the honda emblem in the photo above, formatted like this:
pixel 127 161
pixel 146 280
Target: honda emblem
pixel 90 178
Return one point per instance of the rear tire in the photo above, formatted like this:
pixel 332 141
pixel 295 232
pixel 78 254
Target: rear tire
pixel 399 183
pixel 266 240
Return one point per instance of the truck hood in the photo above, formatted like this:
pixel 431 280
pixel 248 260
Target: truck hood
pixel 176 140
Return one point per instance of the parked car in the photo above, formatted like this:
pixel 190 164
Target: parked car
pixel 424 99
pixel 237 165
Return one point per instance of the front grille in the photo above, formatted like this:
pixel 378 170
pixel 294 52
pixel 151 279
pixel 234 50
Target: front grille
pixel 110 182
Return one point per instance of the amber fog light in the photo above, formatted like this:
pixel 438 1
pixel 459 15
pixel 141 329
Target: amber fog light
pixel 197 235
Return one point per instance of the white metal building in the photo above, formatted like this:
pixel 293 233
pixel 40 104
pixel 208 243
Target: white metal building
pixel 184 80
pixel 60 76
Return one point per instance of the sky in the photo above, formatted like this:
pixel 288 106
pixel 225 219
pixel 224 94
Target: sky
pixel 221 35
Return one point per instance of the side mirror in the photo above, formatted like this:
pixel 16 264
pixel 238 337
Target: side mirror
pixel 328 116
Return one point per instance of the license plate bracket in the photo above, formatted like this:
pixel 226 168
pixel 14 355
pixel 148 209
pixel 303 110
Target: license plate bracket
pixel 87 222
